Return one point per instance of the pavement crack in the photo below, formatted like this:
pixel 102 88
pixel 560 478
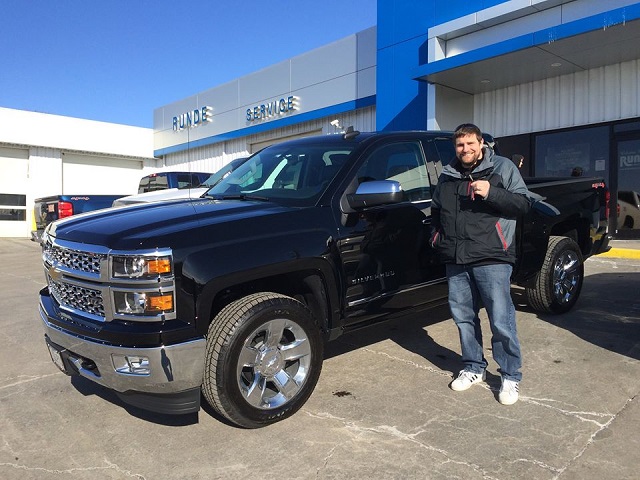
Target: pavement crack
pixel 109 466
pixel 591 439
pixel 28 379
pixel 437 371
pixel 580 415
pixel 393 432
pixel 538 463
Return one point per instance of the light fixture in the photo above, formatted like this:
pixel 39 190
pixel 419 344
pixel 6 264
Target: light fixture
pixel 131 364
pixel 556 64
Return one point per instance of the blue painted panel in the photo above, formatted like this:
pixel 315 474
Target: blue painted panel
pixel 401 101
pixel 595 22
pixel 401 20
pixel 501 48
pixel 447 10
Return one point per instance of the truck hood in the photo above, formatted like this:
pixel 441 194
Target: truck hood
pixel 152 225
pixel 161 195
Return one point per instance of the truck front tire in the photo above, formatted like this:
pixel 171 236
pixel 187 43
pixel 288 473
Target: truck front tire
pixel 263 359
pixel 559 281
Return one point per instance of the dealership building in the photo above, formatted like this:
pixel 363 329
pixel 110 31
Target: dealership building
pixel 555 80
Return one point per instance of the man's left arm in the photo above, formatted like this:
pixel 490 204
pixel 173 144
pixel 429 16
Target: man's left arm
pixel 512 200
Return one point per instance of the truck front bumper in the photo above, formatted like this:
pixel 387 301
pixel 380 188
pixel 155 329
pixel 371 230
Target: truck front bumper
pixel 164 379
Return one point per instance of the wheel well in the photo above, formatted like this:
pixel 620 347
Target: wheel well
pixel 628 222
pixel 577 230
pixel 308 287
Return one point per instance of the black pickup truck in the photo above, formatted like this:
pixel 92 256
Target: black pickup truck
pixel 234 295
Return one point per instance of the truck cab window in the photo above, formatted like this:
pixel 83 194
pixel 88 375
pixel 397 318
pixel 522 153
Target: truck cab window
pixel 402 162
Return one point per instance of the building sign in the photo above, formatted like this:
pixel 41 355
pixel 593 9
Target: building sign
pixel 195 118
pixel 272 109
pixel 629 155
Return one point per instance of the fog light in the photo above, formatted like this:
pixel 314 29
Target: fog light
pixel 132 303
pixel 131 364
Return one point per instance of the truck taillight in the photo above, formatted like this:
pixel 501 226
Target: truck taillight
pixel 65 209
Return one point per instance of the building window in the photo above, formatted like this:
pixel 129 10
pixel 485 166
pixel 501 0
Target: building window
pixel 579 152
pixel 13 207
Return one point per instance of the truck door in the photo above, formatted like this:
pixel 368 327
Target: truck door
pixel 388 264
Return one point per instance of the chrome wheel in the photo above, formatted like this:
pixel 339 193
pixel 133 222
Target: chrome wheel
pixel 263 360
pixel 567 276
pixel 557 286
pixel 273 364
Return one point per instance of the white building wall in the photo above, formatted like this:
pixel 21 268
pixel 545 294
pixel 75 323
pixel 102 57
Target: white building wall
pixel 52 155
pixel 598 95
pixel 42 129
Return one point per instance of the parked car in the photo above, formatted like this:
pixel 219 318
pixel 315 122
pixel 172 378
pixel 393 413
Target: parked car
pixel 628 209
pixel 234 295
pixel 176 193
pixel 164 180
pixel 52 208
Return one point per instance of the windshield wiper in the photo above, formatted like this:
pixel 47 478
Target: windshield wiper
pixel 238 196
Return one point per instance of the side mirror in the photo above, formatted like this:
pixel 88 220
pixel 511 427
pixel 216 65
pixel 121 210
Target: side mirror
pixel 374 193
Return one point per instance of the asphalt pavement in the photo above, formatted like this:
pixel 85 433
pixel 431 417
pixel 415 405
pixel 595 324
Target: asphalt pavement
pixel 382 408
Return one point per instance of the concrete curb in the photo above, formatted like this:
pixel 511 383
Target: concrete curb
pixel 622 253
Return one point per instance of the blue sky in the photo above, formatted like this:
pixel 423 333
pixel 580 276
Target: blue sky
pixel 117 60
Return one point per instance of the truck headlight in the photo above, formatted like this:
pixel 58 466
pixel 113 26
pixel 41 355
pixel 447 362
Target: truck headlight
pixel 141 266
pixel 143 303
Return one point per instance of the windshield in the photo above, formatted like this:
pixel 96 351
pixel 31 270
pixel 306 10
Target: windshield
pixel 215 178
pixel 289 173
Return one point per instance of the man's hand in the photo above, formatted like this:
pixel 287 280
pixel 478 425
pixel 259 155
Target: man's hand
pixel 481 187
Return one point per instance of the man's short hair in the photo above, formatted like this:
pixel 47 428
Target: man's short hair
pixel 467 129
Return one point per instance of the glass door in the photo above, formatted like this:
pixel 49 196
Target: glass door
pixel 628 187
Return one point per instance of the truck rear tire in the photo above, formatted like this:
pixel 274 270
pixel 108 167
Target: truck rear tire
pixel 263 359
pixel 559 281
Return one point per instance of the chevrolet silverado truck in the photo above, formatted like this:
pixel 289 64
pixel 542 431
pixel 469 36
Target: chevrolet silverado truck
pixel 50 209
pixel 232 296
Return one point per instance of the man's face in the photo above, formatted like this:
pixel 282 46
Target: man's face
pixel 469 150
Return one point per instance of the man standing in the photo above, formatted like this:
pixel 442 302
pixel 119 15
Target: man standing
pixel 474 210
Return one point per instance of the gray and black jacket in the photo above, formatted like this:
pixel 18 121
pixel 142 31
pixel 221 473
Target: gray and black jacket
pixel 468 229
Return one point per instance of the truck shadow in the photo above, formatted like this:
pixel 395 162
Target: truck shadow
pixel 607 313
pixel 87 388
pixel 409 333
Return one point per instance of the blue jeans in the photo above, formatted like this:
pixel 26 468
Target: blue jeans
pixel 470 288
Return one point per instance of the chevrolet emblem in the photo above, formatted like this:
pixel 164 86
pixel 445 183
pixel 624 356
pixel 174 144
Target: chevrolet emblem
pixel 55 273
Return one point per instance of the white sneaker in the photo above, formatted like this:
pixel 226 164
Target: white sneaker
pixel 466 378
pixel 508 392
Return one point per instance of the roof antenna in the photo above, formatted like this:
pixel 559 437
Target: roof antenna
pixel 351 133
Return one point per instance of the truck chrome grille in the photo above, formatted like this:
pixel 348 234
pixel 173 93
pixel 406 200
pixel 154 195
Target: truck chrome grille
pixel 73 259
pixel 78 298
pixel 80 279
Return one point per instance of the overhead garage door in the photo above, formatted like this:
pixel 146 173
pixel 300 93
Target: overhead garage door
pixel 14 165
pixel 96 175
